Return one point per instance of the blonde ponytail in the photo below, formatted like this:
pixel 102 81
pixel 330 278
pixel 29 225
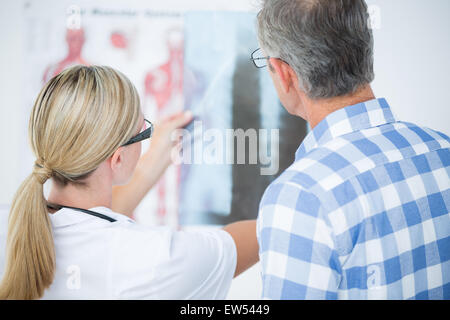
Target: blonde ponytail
pixel 30 250
pixel 80 118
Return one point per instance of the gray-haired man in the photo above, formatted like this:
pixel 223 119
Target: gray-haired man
pixel 363 212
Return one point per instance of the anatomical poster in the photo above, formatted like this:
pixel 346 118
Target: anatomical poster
pixel 241 138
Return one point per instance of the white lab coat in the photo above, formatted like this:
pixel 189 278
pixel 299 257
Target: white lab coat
pixel 98 259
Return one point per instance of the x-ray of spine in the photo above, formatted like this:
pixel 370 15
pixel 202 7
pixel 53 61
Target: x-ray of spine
pixel 236 96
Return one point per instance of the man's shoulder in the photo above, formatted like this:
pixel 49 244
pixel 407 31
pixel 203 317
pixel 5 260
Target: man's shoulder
pixel 344 157
pixel 300 186
pixel 424 133
pixel 289 194
pixel 311 178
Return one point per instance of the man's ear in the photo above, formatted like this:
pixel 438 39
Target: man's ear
pixel 117 159
pixel 284 72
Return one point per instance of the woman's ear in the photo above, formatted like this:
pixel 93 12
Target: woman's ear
pixel 117 160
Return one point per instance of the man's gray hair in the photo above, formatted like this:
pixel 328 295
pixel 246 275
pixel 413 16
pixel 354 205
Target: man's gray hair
pixel 328 43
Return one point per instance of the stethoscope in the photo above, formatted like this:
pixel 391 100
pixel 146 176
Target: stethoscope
pixel 92 213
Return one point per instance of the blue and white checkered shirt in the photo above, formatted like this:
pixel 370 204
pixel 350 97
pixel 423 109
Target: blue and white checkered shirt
pixel 362 213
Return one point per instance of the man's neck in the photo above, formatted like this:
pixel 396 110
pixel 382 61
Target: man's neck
pixel 317 110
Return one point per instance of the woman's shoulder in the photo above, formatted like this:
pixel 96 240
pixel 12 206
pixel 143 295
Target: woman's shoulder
pixel 196 261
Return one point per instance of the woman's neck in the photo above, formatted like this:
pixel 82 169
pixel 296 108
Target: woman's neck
pixel 81 197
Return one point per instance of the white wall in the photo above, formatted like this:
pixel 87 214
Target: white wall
pixel 411 64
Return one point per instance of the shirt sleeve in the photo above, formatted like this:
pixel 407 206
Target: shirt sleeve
pixel 297 251
pixel 203 264
pixel 165 264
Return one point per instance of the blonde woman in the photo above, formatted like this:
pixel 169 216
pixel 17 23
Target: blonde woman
pixel 85 131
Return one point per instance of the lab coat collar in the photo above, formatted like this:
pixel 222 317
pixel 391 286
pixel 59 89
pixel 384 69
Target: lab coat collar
pixel 66 216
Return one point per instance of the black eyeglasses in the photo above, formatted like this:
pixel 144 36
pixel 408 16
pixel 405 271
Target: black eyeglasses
pixel 146 134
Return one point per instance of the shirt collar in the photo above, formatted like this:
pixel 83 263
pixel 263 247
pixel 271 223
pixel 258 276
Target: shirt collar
pixel 67 216
pixel 353 118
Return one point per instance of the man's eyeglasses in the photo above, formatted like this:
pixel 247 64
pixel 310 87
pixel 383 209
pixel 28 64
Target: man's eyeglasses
pixel 258 59
pixel 146 134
